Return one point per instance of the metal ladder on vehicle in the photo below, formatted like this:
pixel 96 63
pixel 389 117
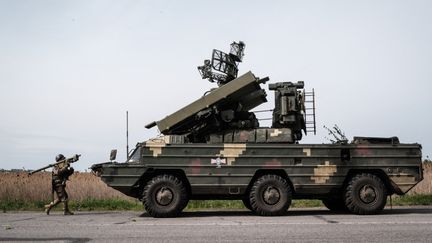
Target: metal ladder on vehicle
pixel 309 103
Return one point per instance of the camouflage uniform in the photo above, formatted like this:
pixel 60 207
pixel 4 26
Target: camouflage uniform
pixel 59 177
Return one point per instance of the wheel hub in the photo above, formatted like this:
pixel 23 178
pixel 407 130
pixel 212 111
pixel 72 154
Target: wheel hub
pixel 271 195
pixel 367 194
pixel 164 196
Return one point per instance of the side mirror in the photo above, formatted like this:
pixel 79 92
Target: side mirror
pixel 113 154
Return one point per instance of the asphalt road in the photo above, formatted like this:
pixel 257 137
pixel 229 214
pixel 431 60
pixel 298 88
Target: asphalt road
pixel 412 224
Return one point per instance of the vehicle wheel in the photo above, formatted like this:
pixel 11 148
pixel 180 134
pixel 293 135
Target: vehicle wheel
pixel 270 195
pixel 334 204
pixel 246 202
pixel 164 196
pixel 365 194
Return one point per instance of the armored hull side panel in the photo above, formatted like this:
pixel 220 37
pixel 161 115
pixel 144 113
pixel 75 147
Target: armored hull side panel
pixel 236 91
pixel 217 171
pixel 122 176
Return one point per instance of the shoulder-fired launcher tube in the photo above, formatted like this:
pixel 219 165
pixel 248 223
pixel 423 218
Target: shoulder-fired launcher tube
pixel 72 159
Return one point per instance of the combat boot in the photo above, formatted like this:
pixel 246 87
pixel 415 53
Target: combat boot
pixel 66 210
pixel 48 208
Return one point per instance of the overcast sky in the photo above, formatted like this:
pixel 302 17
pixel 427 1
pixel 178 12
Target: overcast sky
pixel 69 70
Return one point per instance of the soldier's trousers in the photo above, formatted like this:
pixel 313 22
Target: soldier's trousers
pixel 60 190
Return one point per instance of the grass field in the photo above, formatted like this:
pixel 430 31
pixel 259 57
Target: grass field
pixel 18 191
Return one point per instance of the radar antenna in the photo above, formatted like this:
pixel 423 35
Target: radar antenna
pixel 223 67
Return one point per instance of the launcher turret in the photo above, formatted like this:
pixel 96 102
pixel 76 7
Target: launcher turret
pixel 224 114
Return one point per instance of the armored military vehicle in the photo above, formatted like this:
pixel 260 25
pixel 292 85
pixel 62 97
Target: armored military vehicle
pixel 214 148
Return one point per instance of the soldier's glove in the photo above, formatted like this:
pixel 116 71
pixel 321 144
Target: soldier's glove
pixel 68 172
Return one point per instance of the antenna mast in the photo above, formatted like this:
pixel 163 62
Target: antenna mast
pixel 127 135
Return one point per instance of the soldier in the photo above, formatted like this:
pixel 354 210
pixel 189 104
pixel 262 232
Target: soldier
pixel 60 175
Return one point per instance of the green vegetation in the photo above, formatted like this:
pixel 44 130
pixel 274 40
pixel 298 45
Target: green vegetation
pixel 135 205
pixel 411 200
pixel 83 205
pixel 106 204
pixel 210 204
pixel 237 204
pixel 15 205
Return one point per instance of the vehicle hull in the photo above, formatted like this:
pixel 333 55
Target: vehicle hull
pixel 226 171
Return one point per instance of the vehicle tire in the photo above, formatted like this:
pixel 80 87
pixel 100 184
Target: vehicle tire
pixel 165 196
pixel 365 194
pixel 270 195
pixel 334 204
pixel 246 202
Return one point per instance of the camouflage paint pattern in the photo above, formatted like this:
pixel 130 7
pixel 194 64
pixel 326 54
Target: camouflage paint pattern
pixel 314 170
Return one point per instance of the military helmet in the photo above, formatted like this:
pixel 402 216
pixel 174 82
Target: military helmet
pixel 59 157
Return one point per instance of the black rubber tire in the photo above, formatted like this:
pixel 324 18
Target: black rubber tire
pixel 178 201
pixel 264 184
pixel 373 202
pixel 246 203
pixel 334 204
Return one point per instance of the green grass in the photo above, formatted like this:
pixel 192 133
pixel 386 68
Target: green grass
pixel 306 203
pixel 121 204
pixel 411 200
pixel 106 204
pixel 17 205
pixel 209 204
pixel 237 204
pixel 84 205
